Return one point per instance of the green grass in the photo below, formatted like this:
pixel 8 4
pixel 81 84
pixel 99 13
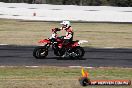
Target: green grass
pixel 28 33
pixel 57 77
pixel 98 34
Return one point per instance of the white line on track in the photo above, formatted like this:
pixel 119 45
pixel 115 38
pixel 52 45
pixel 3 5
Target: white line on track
pixel 32 66
pixel 79 67
pixel 3 44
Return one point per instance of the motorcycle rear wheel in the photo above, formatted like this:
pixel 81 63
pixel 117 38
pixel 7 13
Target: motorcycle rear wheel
pixel 40 52
pixel 79 51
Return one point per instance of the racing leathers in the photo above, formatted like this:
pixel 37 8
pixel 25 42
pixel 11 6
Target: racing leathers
pixel 69 35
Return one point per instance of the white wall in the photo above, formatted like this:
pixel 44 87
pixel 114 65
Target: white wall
pixel 45 12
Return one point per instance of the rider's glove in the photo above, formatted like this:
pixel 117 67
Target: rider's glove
pixel 57 29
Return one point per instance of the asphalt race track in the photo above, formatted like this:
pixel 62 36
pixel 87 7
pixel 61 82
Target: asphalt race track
pixel 22 56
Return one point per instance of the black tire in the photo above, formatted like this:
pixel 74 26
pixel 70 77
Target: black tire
pixel 37 52
pixel 84 81
pixel 80 51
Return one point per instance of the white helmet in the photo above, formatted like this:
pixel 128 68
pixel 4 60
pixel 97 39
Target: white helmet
pixel 65 23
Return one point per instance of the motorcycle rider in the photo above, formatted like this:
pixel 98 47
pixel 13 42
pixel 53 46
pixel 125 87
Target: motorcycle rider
pixel 69 32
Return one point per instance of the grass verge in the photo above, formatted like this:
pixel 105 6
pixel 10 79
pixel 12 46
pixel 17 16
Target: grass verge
pixel 57 77
pixel 98 34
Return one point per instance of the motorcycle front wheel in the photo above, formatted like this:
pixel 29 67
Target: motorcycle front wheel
pixel 40 52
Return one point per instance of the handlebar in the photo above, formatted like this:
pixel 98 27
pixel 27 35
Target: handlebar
pixel 55 30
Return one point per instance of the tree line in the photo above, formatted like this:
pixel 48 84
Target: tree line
pixel 121 3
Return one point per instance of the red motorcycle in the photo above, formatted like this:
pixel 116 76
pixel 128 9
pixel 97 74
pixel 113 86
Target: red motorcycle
pixel 71 50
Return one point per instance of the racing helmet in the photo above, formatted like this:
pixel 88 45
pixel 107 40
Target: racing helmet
pixel 65 23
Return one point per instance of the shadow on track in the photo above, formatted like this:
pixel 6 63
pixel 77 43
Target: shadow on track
pixel 61 58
